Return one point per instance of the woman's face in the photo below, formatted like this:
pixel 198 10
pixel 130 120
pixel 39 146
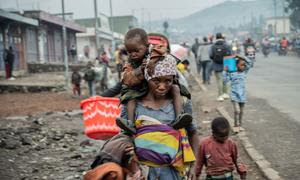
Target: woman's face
pixel 160 86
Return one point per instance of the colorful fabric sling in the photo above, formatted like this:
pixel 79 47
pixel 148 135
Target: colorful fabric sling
pixel 158 144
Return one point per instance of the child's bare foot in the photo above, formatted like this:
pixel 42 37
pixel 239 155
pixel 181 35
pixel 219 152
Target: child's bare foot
pixel 236 129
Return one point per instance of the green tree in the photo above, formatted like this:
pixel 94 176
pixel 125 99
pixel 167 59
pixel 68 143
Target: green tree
pixel 294 8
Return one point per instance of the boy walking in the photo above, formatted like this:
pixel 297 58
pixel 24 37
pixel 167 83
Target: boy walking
pixel 219 154
pixel 76 79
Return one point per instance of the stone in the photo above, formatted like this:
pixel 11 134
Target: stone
pixel 76 156
pixel 35 170
pixel 39 121
pixel 75 164
pixel 26 140
pixel 206 109
pixel 11 144
pixel 69 178
pixel 85 142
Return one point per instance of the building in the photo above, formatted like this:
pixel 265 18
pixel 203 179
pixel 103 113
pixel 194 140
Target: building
pixel 36 38
pixel 86 42
pixel 49 37
pixel 122 24
pixel 18 32
pixel 280 26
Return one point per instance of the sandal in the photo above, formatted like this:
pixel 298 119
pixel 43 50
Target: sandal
pixel 183 120
pixel 126 125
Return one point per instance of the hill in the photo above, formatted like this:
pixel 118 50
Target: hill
pixel 227 14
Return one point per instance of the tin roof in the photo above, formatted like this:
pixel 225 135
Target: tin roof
pixel 18 18
pixel 44 16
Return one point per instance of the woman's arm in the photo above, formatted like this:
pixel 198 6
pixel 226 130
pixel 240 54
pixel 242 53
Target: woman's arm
pixel 192 128
pixel 112 92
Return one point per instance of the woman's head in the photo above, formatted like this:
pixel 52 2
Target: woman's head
pixel 136 43
pixel 161 80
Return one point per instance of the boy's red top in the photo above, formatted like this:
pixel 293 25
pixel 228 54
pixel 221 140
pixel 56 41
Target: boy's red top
pixel 218 158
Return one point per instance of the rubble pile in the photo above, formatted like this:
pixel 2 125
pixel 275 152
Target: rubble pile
pixel 47 146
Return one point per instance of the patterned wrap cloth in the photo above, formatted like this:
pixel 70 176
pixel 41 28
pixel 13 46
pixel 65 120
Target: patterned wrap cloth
pixel 158 145
pixel 164 67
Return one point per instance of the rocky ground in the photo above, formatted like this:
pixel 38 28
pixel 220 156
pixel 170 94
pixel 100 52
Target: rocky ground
pixel 46 140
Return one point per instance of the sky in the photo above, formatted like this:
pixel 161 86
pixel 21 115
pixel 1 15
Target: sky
pixel 144 10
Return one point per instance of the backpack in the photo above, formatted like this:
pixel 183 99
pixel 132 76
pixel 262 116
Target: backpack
pixel 89 75
pixel 219 52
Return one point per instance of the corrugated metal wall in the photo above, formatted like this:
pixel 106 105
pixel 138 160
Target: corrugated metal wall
pixel 31 45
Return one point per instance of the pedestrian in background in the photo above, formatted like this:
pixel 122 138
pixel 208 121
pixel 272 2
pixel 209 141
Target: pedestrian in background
pixel 219 154
pixel 73 53
pixel 76 80
pixel 217 52
pixel 9 58
pixel 195 48
pixel 203 56
pixel 117 55
pixel 238 90
pixel 89 77
pixel 105 61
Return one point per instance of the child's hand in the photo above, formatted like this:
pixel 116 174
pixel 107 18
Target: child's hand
pixel 143 65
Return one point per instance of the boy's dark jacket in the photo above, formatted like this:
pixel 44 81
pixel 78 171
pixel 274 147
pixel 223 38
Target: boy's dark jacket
pixel 76 78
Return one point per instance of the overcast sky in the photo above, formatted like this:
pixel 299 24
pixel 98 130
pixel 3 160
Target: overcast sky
pixel 143 9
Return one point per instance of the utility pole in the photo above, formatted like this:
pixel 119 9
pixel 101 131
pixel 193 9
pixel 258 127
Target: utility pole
pixel 275 18
pixel 65 56
pixel 142 14
pixel 113 45
pixel 97 43
pixel 149 19
pixel 284 18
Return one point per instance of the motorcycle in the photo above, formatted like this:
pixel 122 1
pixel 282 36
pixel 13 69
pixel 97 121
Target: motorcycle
pixel 236 50
pixel 282 51
pixel 266 51
pixel 297 49
pixel 250 53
